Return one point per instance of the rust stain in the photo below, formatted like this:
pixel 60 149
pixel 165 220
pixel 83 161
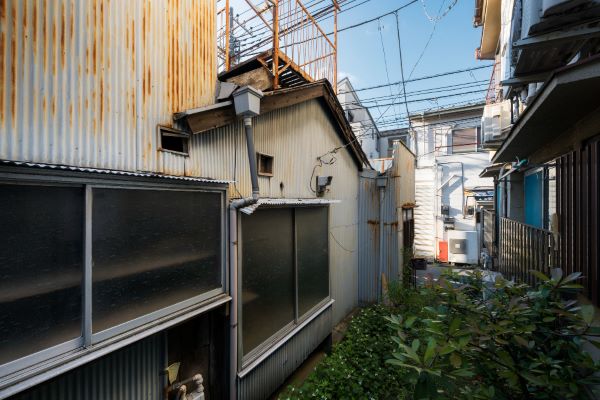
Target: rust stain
pixel 62 35
pixel 34 25
pixel 53 106
pixel 72 21
pixel 101 91
pixel 2 58
pixel 71 114
pixel 149 80
pixel 13 67
pixel 54 33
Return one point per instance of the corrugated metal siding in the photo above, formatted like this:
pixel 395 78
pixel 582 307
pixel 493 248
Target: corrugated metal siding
pixel 424 213
pixel 263 380
pixel 399 191
pixel 295 136
pixel 86 82
pixel 128 374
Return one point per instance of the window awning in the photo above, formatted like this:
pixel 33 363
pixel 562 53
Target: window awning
pixel 569 95
pixel 286 202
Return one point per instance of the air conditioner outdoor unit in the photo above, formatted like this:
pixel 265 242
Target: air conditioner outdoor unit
pixel 463 247
pixel 495 121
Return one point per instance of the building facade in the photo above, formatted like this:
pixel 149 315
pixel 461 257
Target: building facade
pixel 545 166
pixel 447 145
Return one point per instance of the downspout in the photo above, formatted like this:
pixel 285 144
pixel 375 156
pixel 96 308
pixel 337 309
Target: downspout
pixel 247 106
pixel 381 184
pixel 462 181
pixel 233 253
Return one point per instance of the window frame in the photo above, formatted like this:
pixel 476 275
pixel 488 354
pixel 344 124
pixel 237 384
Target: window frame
pixel 90 342
pixel 260 163
pixel 163 130
pixel 246 361
pixel 475 147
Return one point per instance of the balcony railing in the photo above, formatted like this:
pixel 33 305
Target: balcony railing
pixel 523 248
pixel 494 89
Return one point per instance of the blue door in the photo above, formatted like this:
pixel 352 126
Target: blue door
pixel 534 199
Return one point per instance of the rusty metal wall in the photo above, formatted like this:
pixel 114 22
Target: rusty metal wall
pixel 578 195
pixel 295 136
pixel 133 372
pixel 86 82
pixel 260 383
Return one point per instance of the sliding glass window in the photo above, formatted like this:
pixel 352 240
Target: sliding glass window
pixel 284 270
pixel 41 268
pixel 152 249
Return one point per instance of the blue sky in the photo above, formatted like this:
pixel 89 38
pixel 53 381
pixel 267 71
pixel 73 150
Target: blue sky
pixel 452 47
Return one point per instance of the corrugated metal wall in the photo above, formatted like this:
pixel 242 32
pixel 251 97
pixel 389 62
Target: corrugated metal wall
pixel 399 192
pixel 295 136
pixel 86 82
pixel 260 383
pixel 131 373
pixel 424 213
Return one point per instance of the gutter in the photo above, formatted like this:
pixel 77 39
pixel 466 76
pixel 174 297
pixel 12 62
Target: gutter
pixel 247 104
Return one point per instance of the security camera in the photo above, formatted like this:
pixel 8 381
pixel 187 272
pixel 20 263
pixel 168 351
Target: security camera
pixel 322 183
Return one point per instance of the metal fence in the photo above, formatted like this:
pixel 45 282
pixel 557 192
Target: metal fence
pixel 523 248
pixel 489 231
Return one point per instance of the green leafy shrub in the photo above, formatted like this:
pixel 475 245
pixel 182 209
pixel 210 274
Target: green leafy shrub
pixel 356 368
pixel 497 341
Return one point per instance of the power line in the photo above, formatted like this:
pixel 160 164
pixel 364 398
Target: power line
pixel 458 71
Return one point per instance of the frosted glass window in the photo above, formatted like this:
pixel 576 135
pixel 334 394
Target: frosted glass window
pixel 41 267
pixel 267 275
pixel 313 257
pixel 152 249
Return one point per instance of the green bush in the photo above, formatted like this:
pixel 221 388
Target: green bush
pixel 356 368
pixel 497 341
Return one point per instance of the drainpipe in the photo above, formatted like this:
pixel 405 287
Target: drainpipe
pixel 247 105
pixel 381 184
pixel 462 180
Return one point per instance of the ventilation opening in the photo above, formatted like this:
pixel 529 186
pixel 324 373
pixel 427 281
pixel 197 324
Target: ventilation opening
pixel 265 164
pixel 173 140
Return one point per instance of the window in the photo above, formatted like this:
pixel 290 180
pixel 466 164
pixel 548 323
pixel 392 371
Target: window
pixel 151 249
pixel 173 140
pixel 41 268
pixel 265 164
pixel 267 275
pixel 464 140
pixel 154 250
pixel 313 257
pixel 281 246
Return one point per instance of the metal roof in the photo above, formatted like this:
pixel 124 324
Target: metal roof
pixel 71 168
pixel 280 202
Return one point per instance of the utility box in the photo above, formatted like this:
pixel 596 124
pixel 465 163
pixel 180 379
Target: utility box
pixel 462 247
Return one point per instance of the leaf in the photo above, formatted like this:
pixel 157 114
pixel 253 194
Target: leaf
pixel 521 341
pixel 539 275
pixel 430 350
pixel 455 360
pixel 556 274
pixel 587 313
pixel 572 277
pixel 454 325
pixel 446 350
pixel 463 373
pixel 415 345
pixel 410 321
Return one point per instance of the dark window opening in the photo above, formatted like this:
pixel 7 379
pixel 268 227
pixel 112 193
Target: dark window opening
pixel 464 140
pixel 265 164
pixel 174 140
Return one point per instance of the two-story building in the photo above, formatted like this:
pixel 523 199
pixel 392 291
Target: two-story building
pixel 543 116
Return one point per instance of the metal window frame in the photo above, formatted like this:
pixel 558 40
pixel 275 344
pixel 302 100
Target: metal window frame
pixel 269 345
pixel 172 132
pixel 259 158
pixel 89 342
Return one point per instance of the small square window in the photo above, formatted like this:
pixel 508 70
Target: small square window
pixel 173 140
pixel 265 164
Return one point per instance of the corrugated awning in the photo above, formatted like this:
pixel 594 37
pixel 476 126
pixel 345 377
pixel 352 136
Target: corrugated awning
pixel 491 171
pixel 570 95
pixel 70 168
pixel 287 202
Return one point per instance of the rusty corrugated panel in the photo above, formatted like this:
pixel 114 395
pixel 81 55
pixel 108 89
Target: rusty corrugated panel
pixel 265 378
pixel 86 82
